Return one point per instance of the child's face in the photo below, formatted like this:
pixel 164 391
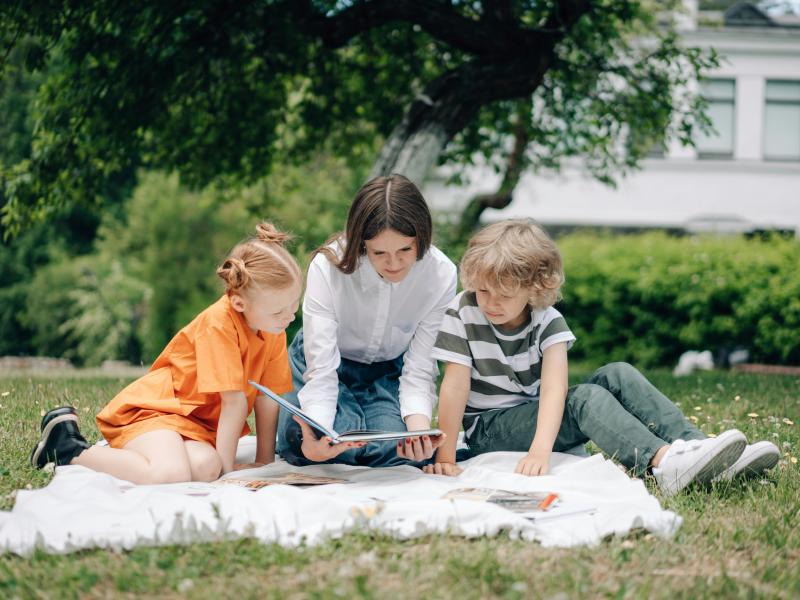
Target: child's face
pixel 504 310
pixel 392 254
pixel 268 310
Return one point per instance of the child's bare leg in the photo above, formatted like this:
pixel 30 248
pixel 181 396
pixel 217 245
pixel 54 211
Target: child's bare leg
pixel 204 460
pixel 152 457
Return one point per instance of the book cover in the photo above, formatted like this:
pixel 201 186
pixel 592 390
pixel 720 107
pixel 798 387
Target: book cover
pixel 347 436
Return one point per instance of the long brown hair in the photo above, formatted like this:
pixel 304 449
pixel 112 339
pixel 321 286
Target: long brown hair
pixel 382 203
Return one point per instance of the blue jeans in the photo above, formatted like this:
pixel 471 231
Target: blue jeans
pixel 368 399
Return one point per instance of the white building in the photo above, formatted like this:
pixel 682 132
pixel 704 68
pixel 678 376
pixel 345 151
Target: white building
pixel 745 178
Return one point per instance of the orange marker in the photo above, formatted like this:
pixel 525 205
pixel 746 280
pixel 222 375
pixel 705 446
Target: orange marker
pixel 544 504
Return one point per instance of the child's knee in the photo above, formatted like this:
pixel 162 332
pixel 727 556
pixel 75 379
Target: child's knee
pixel 171 472
pixel 208 468
pixel 617 371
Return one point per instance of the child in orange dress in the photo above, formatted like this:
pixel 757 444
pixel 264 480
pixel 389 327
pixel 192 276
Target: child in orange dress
pixel 183 419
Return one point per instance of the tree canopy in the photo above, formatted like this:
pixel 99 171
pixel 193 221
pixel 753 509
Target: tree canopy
pixel 220 90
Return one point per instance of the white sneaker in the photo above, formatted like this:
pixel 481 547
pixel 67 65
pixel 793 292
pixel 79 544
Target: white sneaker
pixel 698 461
pixel 755 459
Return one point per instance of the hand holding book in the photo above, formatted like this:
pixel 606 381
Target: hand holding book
pixel 323 448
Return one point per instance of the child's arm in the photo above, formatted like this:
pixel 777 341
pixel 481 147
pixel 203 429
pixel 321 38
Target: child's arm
pixel 266 429
pixel 552 395
pixel 229 429
pixel 453 396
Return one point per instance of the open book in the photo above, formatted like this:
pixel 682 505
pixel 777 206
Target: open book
pixel 535 506
pixel 347 436
pixel 523 503
pixel 298 479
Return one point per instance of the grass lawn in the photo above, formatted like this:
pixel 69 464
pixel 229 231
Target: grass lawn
pixel 740 540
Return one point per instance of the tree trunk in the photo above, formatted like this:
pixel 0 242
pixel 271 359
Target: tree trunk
pixel 411 152
pixel 505 193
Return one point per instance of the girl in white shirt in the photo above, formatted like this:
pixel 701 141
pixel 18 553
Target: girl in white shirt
pixel 374 301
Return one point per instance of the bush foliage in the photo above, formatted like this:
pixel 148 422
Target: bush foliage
pixel 642 298
pixel 647 298
pixel 151 268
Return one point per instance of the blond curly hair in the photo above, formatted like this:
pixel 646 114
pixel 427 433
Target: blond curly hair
pixel 513 255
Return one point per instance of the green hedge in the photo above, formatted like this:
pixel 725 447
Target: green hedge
pixel 647 298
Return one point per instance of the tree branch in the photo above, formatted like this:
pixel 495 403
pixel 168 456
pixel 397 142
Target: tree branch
pixel 497 35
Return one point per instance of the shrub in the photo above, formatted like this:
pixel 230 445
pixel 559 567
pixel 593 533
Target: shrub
pixel 647 298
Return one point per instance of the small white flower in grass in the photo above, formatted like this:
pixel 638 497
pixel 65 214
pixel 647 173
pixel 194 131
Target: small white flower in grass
pixel 49 467
pixel 788 421
pixel 712 435
pixel 698 408
pixel 793 460
pixel 752 415
pixel 693 418
pixel 737 397
pixel 41 413
pixel 4 394
pixel 366 559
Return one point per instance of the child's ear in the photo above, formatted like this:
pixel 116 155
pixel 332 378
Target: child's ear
pixel 237 303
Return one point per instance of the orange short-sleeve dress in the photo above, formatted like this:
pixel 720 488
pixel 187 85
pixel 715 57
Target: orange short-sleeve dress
pixel 216 352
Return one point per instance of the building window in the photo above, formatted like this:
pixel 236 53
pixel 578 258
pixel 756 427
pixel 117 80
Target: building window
pixel 720 94
pixel 782 120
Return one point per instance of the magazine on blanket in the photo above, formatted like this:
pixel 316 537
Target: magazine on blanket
pixel 534 506
pixel 299 479
pixel 347 436
pixel 522 503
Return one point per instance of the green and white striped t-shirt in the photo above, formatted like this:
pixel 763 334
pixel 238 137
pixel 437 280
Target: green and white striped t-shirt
pixel 506 365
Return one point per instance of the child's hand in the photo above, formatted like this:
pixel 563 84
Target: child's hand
pixel 534 463
pixel 320 450
pixel 443 468
pixel 419 448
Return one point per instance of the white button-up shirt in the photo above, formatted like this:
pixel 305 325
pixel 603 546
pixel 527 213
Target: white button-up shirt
pixel 364 318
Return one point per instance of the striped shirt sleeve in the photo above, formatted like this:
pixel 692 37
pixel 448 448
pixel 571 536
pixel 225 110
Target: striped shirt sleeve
pixel 554 330
pixel 452 344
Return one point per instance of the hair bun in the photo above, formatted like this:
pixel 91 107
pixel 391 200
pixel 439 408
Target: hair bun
pixel 234 273
pixel 266 232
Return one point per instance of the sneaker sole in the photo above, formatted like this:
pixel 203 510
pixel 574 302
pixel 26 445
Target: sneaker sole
pixel 37 451
pixel 721 461
pixel 763 463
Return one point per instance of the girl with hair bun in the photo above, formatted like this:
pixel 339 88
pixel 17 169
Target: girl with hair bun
pixel 183 419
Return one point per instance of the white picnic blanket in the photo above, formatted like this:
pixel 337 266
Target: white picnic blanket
pixel 83 509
